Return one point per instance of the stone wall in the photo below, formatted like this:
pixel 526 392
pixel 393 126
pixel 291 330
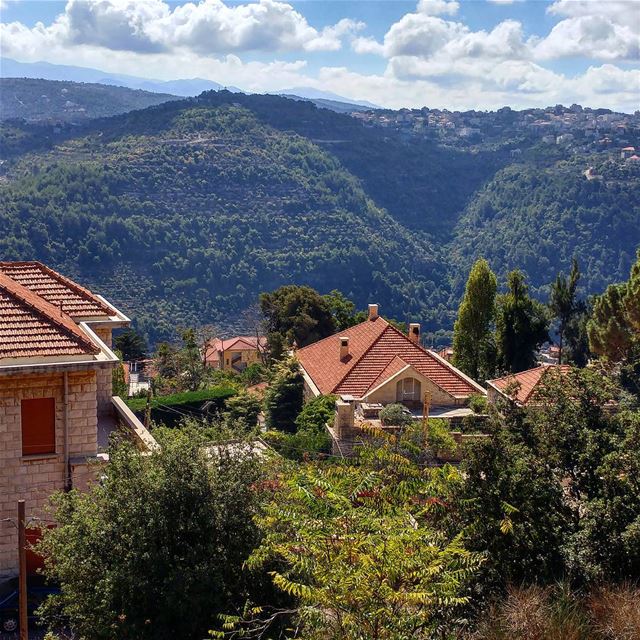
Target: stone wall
pixel 34 478
pixel 105 376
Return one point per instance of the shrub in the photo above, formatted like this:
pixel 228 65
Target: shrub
pixel 395 415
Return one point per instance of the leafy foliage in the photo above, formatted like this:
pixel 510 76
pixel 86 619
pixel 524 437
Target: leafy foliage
pixel 283 399
pixel 156 549
pixel 473 340
pixel 522 326
pixel 357 547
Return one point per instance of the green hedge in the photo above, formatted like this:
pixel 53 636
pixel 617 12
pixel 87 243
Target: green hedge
pixel 169 410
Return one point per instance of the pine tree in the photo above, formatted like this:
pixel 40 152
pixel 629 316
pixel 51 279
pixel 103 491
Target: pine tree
pixel 609 332
pixel 522 326
pixel 284 397
pixel 563 302
pixel 473 342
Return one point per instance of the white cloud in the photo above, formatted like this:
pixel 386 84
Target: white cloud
pixel 603 30
pixel 438 7
pixel 211 26
pixel 427 57
pixel 591 36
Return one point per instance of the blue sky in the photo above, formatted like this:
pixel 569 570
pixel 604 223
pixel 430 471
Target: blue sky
pixel 440 53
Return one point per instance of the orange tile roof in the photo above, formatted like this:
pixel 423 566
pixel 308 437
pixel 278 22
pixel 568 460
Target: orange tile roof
pixel 32 327
pixel 521 386
pixel 53 287
pixel 377 350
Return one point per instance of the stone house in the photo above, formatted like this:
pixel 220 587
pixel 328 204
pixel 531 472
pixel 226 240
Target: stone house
pixel 56 405
pixel 374 364
pixel 235 354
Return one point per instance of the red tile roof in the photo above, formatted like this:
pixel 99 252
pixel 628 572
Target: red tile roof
pixel 238 343
pixel 521 386
pixel 53 287
pixel 32 327
pixel 377 351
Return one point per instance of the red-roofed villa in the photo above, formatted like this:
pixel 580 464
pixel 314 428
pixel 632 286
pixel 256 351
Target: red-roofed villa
pixel 235 354
pixel 374 364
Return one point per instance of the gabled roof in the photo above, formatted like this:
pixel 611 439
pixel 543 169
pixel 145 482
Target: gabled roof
pixel 76 301
pixel 32 327
pixel 521 386
pixel 377 351
pixel 239 343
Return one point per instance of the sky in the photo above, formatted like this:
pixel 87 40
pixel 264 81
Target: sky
pixel 464 54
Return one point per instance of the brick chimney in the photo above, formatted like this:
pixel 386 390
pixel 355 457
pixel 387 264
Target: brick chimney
pixel 344 347
pixel 414 332
pixel 373 311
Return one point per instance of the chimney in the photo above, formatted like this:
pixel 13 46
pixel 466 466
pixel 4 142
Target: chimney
pixel 344 347
pixel 414 332
pixel 373 311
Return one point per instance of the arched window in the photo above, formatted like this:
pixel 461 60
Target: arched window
pixel 408 391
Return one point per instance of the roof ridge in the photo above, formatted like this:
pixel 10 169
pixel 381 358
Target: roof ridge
pixel 341 332
pixel 50 312
pixel 364 353
pixel 439 359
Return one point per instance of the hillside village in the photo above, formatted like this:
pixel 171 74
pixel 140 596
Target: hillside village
pixel 580 128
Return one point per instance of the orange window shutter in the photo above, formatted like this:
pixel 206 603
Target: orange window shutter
pixel 38 417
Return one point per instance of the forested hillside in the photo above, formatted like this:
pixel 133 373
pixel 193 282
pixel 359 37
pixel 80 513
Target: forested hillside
pixel 50 100
pixel 537 218
pixel 183 212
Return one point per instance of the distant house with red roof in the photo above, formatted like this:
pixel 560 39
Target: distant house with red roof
pixel 627 152
pixel 235 354
pixel 56 403
pixel 521 387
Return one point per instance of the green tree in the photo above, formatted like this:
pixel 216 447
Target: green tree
pixel 358 546
pixel 342 309
pixel 166 360
pixel 298 313
pixel 610 335
pixel 395 415
pixel 192 369
pixel 241 411
pixel 563 301
pixel 473 342
pixel 131 344
pixel 284 396
pixel 119 385
pixel 633 296
pixel 155 551
pixel 311 439
pixel 522 326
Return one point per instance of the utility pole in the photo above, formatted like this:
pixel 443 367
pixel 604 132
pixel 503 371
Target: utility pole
pixel 426 404
pixel 22 563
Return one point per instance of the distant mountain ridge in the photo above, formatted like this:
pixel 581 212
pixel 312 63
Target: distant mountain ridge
pixel 184 87
pixel 37 100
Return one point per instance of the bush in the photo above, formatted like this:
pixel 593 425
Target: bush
pixel 156 550
pixel 478 403
pixel 395 415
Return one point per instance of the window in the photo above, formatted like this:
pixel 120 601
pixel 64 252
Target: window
pixel 408 391
pixel 38 419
